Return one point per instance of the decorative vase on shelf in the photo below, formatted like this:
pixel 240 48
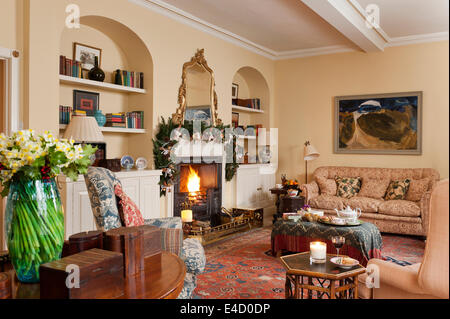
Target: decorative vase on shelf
pixel 118 77
pixel 34 226
pixel 100 118
pixel 96 74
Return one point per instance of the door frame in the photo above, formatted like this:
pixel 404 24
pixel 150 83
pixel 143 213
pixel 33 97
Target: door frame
pixel 11 112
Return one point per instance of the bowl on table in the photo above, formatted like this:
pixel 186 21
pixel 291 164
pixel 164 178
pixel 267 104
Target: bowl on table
pixel 292 192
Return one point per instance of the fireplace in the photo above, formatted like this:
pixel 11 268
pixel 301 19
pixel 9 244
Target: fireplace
pixel 201 185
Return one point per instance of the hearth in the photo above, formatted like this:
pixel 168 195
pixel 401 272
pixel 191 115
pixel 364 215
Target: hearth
pixel 201 185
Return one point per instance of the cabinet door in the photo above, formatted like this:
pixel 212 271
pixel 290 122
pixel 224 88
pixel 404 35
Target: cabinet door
pixel 149 196
pixel 267 182
pixel 248 187
pixel 82 216
pixel 130 187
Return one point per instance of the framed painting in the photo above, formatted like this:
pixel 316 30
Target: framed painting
pixel 234 91
pixel 86 55
pixel 86 101
pixel 199 113
pixel 379 124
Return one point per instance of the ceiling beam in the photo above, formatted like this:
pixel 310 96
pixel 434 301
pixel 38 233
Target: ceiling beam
pixel 348 17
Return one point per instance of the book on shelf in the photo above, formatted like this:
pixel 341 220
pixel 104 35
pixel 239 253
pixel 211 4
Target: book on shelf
pixel 129 78
pixel 65 113
pixel 69 67
pixel 248 103
pixel 133 119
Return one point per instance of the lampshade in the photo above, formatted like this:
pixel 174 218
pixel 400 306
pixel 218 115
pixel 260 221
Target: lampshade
pixel 83 129
pixel 310 153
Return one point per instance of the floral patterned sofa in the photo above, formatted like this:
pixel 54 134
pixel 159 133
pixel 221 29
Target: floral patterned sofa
pixel 100 184
pixel 408 216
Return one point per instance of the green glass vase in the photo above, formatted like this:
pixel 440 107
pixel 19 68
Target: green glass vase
pixel 34 226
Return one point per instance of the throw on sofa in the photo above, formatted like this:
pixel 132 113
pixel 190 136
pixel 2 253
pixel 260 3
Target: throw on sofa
pixel 408 216
pixel 100 184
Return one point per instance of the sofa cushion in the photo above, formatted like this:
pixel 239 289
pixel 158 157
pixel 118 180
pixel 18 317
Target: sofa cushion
pixel 366 204
pixel 417 188
pixel 100 184
pixel 129 212
pixel 327 186
pixel 347 187
pixel 402 208
pixel 397 190
pixel 327 202
pixel 374 188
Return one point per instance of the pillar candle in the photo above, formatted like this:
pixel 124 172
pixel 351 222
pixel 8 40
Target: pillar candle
pixel 186 216
pixel 318 250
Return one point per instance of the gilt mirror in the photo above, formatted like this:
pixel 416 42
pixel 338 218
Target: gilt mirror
pixel 197 97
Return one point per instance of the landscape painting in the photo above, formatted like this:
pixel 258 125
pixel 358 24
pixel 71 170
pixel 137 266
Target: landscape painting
pixel 379 124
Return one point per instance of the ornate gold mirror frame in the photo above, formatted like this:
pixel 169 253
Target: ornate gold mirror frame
pixel 178 116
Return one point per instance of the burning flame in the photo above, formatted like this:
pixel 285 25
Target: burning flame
pixel 193 184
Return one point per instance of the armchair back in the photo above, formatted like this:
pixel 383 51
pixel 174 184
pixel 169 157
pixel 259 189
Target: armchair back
pixel 433 273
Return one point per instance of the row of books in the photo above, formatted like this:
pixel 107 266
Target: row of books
pixel 125 120
pixel 70 67
pixel 65 113
pixel 250 103
pixel 129 78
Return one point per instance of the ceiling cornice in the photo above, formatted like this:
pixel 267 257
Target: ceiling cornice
pixel 184 17
pixel 419 38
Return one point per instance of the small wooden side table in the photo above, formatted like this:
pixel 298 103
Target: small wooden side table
pixel 325 279
pixel 285 203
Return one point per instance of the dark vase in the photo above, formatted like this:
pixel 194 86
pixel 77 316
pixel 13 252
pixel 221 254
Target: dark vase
pixel 96 74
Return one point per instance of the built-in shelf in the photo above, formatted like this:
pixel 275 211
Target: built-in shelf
pixel 64 79
pixel 62 127
pixel 245 109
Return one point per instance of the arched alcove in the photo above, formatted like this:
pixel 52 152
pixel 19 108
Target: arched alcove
pixel 252 84
pixel 122 49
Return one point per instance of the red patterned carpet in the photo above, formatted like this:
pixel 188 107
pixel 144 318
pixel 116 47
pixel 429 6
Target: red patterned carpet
pixel 240 268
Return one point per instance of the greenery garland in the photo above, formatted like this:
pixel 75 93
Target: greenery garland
pixel 163 145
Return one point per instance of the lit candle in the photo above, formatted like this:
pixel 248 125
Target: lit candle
pixel 318 251
pixel 186 216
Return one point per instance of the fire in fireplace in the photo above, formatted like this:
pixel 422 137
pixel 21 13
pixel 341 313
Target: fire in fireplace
pixel 201 185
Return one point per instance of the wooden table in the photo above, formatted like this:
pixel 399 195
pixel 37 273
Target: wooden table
pixel 289 205
pixel 164 281
pixel 322 278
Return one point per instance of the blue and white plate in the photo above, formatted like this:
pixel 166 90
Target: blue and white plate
pixel 141 163
pixel 127 162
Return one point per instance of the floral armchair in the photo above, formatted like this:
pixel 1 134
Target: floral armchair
pixel 190 251
pixel 100 184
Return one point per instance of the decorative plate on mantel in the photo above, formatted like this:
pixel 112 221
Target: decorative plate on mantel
pixel 127 162
pixel 141 163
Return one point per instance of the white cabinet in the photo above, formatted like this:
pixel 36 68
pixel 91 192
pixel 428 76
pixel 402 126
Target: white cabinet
pixel 253 184
pixel 141 186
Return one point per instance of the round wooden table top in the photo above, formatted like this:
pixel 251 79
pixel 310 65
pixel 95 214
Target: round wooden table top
pixel 157 281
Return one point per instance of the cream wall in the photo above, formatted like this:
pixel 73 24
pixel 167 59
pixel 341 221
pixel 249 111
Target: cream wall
pixel 305 90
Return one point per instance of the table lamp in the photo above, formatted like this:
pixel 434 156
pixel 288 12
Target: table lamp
pixel 309 153
pixel 83 129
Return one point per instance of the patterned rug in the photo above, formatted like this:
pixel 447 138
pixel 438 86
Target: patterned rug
pixel 240 267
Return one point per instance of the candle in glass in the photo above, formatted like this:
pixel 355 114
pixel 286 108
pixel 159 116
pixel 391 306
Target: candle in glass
pixel 186 216
pixel 318 252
